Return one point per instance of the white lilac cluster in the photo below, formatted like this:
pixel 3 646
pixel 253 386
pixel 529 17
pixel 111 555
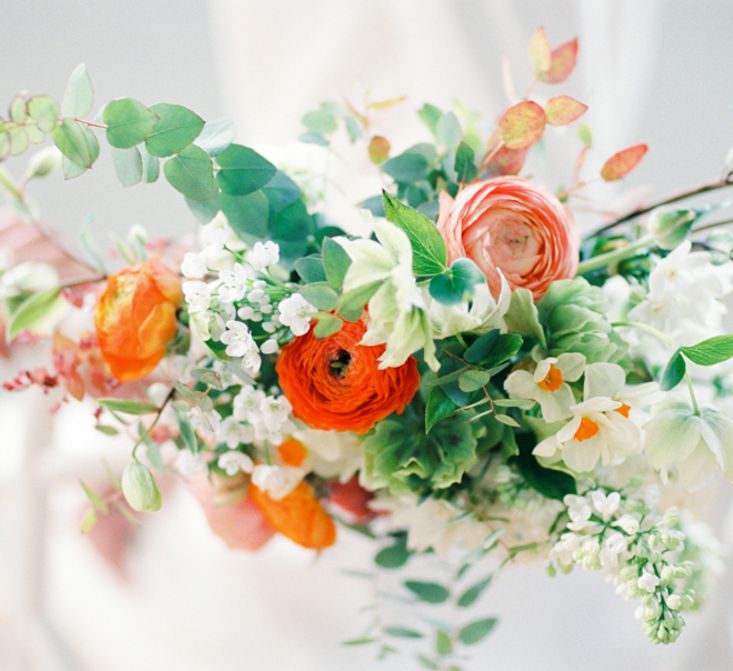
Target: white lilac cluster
pixel 227 291
pixel 641 551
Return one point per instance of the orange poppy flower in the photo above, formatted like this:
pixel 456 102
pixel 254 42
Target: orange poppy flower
pixel 136 317
pixel 299 516
pixel 335 383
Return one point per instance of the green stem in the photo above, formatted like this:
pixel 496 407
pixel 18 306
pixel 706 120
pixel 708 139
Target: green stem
pixel 603 260
pixel 693 398
pixel 153 424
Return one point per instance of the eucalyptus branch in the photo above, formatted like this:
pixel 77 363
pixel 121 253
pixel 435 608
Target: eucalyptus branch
pixel 683 195
pixel 153 424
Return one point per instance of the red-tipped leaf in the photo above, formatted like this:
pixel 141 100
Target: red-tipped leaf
pixel 562 110
pixel 522 125
pixel 539 52
pixel 562 62
pixel 623 162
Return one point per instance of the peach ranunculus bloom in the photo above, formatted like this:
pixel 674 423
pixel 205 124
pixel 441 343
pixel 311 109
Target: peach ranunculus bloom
pixel 136 317
pixel 512 225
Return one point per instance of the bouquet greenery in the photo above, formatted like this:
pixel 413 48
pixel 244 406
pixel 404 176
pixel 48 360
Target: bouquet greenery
pixel 451 368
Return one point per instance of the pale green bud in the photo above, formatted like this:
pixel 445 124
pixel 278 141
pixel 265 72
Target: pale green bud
pixel 43 162
pixel 140 489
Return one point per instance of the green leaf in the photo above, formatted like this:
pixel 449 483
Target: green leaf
pixel 310 268
pixel 472 380
pixel 177 127
pixel 204 210
pixel 522 316
pixel 393 556
pixel 476 631
pixel 247 215
pixel 465 165
pixel 70 169
pixel 711 351
pixel 430 116
pixel 443 643
pixel 44 111
pixel 448 132
pixel 351 304
pixel 128 122
pixel 507 420
pixel 335 262
pixel 96 500
pixel 472 594
pixel 673 372
pixel 243 170
pixel 79 94
pixel 430 592
pixel 78 143
pixel 106 429
pixel 128 165
pixel 151 166
pixel 456 284
pixel 327 325
pixel 191 173
pixel 550 483
pixel 88 521
pixel 429 254
pixel 402 632
pixel 482 347
pixel 216 136
pixel 127 407
pixel 320 122
pixel 409 167
pixel 365 640
pixel 428 663
pixel 187 433
pixel 31 311
pixel 438 407
pixel 320 295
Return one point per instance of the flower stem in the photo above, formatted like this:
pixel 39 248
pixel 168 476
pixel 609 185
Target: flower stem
pixel 155 421
pixel 693 398
pixel 649 329
pixel 603 260
pixel 683 195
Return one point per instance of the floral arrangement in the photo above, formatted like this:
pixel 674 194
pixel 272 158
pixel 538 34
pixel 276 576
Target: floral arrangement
pixel 454 368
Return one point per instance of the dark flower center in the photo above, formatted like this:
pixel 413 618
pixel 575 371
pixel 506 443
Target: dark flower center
pixel 340 363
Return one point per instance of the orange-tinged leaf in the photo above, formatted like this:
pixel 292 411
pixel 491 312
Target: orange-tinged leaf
pixel 379 149
pixel 623 162
pixel 299 516
pixel 385 104
pixel 522 125
pixel 562 110
pixel 539 52
pixel 507 162
pixel 562 62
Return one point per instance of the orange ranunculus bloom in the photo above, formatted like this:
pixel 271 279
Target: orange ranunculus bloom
pixel 335 383
pixel 136 317
pixel 299 516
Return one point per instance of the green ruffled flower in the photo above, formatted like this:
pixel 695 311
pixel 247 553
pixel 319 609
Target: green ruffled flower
pixel 573 314
pixel 399 456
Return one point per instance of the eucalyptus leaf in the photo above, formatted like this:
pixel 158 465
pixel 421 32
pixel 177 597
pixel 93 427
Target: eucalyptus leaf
pixel 320 295
pixel 430 592
pixel 78 143
pixel 335 262
pixel 44 110
pixel 128 407
pixel 128 122
pixel 216 136
pixel 191 172
pixel 476 631
pixel 473 593
pixel 247 215
pixel 243 170
pixel 128 165
pixel 177 127
pixel 79 94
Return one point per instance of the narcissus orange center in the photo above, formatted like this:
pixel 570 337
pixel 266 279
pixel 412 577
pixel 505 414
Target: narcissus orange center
pixel 553 380
pixel 587 429
pixel 624 410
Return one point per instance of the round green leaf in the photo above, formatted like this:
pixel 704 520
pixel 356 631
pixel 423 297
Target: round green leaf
pixel 79 94
pixel 128 165
pixel 177 127
pixel 243 170
pixel 192 173
pixel 128 122
pixel 393 556
pixel 216 136
pixel 19 141
pixel 247 215
pixel 78 143
pixel 18 111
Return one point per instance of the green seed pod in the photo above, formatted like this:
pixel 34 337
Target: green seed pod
pixel 140 488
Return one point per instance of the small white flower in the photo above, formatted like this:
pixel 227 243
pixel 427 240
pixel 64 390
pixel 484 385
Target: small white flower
pixel 263 255
pixel 189 465
pixel 233 283
pixel 245 312
pixel 238 339
pixel 233 433
pixel 548 384
pixel 233 461
pixel 198 296
pixel 578 510
pixel 277 481
pixel 259 297
pixel 295 312
pixel 628 523
pixel 605 505
pixel 613 546
pixel 193 266
pixel 247 402
pixel 269 346
pixel 647 581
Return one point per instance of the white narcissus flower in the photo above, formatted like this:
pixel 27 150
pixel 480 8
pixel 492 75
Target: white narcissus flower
pixel 233 283
pixel 548 384
pixel 193 266
pixel 601 427
pixel 277 481
pixel 263 255
pixel 240 343
pixel 247 403
pixel 697 445
pixel 233 462
pixel 295 312
pixel 397 315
